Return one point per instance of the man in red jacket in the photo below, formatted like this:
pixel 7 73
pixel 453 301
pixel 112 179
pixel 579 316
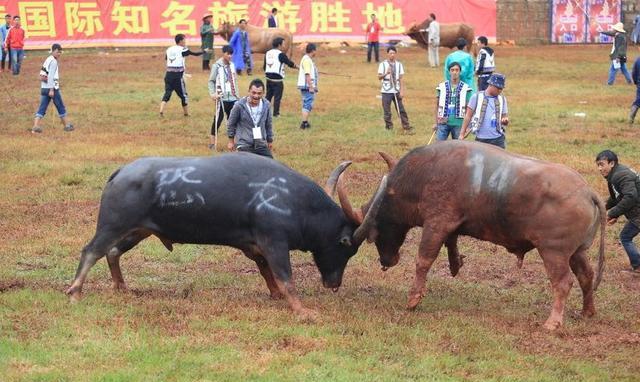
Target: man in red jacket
pixel 373 30
pixel 15 42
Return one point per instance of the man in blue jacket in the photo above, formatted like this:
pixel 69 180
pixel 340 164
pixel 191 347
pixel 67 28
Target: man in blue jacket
pixel 239 41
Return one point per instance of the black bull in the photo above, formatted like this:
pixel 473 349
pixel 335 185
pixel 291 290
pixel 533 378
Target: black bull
pixel 241 200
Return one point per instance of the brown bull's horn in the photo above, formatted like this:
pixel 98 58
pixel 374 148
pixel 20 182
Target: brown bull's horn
pixel 330 187
pixel 391 161
pixel 362 232
pixel 354 216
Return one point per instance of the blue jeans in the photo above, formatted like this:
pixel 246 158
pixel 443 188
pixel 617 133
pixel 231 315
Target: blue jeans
pixel 637 101
pixel 444 130
pixel 629 231
pixel 44 103
pixel 612 73
pixel 16 60
pixel 307 100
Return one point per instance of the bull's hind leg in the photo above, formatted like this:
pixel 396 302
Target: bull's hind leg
pixel 113 257
pixel 581 267
pixel 92 252
pixel 455 258
pixel 430 245
pixel 557 265
pixel 266 273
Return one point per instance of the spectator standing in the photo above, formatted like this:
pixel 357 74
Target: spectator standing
pixel 5 53
pixel 487 114
pixel 50 90
pixel 206 35
pixel 223 90
pixel 635 76
pixel 174 77
pixel 466 63
pixel 390 73
pixel 273 19
pixel 433 32
pixel 373 38
pixel 249 127
pixel 618 53
pixel 452 98
pixel 308 83
pixel 15 43
pixel 624 199
pixel 239 41
pixel 485 63
pixel 274 62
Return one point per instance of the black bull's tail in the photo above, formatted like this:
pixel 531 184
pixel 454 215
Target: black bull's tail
pixel 603 220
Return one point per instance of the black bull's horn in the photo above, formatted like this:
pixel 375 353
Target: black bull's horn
pixel 330 187
pixel 369 220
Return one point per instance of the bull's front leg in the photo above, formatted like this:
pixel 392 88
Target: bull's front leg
pixel 455 258
pixel 430 245
pixel 280 264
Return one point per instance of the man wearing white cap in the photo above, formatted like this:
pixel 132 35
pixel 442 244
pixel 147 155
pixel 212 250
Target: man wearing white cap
pixel 618 53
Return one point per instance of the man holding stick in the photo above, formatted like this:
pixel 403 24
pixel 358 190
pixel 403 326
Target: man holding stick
pixel 390 72
pixel 223 90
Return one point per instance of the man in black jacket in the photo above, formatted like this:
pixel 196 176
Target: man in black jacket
pixel 618 53
pixel 624 199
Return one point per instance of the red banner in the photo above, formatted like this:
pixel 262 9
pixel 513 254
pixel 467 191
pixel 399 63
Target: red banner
pixel 85 23
pixel 580 21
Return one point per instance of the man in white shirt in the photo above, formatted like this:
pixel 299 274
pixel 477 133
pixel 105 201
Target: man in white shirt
pixel 50 90
pixel 390 72
pixel 433 32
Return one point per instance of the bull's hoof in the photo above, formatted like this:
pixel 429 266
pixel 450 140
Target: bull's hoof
pixel 120 287
pixel 413 301
pixel 588 313
pixel 552 325
pixel 276 296
pixel 307 315
pixel 74 295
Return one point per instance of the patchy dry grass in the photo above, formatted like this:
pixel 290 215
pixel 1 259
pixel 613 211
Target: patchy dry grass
pixel 203 312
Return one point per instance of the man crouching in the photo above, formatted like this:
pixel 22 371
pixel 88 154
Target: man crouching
pixel 249 127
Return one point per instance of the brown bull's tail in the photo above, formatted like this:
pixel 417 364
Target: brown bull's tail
pixel 602 213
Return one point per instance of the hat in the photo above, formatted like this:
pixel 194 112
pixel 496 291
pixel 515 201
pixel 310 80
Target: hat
pixel 206 15
pixel 55 47
pixel 497 80
pixel 461 41
pixel 619 27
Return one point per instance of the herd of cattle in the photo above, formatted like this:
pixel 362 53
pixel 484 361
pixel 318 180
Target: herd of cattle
pixel 266 209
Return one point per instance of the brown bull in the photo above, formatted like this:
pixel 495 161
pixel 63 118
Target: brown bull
pixel 260 39
pixel 466 188
pixel 449 34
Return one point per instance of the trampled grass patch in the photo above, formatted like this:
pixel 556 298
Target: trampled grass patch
pixel 204 313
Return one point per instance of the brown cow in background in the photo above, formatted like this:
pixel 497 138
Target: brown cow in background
pixel 474 189
pixel 449 34
pixel 260 38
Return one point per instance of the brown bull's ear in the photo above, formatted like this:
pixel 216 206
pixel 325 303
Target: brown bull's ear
pixel 391 161
pixel 373 235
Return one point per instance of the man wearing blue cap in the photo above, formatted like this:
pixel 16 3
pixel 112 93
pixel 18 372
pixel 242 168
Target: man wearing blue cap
pixel 487 114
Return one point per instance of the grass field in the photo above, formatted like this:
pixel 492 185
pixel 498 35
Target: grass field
pixel 204 313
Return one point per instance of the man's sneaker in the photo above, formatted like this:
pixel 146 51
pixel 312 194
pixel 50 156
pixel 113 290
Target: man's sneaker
pixel 36 130
pixel 409 131
pixel 305 125
pixel 69 127
pixel 634 270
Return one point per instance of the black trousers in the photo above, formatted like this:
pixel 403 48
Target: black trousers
pixel 375 46
pixel 6 57
pixel 262 149
pixel 224 107
pixel 275 90
pixel 173 81
pixel 205 65
pixel 482 81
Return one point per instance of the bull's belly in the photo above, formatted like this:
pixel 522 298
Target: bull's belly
pixel 513 241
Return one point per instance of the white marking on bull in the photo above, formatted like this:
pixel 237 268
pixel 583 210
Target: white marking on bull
pixel 170 197
pixel 499 179
pixel 476 162
pixel 268 192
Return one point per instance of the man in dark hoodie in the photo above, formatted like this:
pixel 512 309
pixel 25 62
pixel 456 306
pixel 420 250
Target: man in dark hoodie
pixel 624 199
pixel 485 63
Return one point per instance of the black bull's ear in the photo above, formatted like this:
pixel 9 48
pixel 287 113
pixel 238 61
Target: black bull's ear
pixel 345 241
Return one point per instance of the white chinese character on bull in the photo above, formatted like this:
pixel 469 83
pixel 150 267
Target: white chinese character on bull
pixel 168 196
pixel 268 192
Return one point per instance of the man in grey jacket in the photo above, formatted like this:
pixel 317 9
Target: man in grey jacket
pixel 624 199
pixel 249 127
